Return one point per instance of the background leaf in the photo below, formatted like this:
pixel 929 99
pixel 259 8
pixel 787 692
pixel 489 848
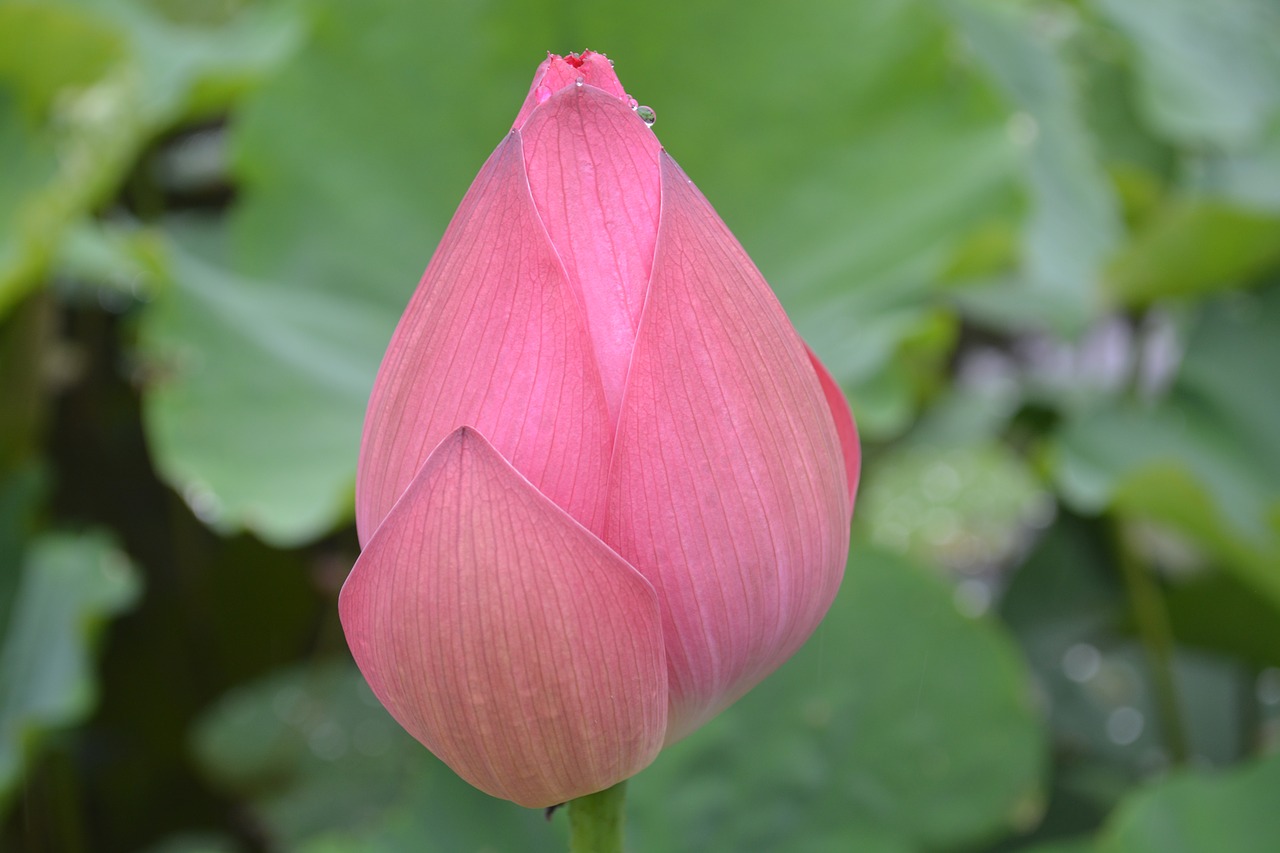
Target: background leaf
pixel 1196 811
pixel 323 763
pixel 864 737
pixel 70 585
pixel 1207 76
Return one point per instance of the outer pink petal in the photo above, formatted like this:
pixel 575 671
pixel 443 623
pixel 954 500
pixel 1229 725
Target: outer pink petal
pixel 728 489
pixel 845 427
pixel 506 637
pixel 494 337
pixel 593 173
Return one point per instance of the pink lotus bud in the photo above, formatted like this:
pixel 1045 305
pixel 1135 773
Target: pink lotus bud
pixel 604 487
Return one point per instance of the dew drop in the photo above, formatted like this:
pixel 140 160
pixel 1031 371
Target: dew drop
pixel 632 102
pixel 541 94
pixel 647 115
pixel 578 82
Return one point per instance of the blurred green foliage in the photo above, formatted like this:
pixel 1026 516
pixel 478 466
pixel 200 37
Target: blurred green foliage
pixel 1037 241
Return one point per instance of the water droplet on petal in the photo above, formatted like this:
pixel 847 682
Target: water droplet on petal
pixel 632 102
pixel 647 115
pixel 541 94
pixel 578 82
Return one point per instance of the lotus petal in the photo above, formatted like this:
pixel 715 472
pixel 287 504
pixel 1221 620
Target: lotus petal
pixel 505 636
pixel 593 174
pixel 493 337
pixel 727 488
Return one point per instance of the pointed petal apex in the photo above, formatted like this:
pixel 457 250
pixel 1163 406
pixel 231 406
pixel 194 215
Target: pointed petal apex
pixel 493 337
pixel 506 637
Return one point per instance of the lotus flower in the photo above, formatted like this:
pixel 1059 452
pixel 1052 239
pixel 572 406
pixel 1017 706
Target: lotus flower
pixel 604 488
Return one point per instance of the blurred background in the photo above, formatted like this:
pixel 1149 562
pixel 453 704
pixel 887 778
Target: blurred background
pixel 1038 242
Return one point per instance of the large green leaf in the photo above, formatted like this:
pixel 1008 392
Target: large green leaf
pixel 241 470
pixel 317 759
pixel 849 175
pixel 903 724
pixel 1193 812
pixel 1074 220
pixel 1210 73
pixel 1199 812
pixel 70 585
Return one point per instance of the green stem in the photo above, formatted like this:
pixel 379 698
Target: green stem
pixel 595 821
pixel 1156 634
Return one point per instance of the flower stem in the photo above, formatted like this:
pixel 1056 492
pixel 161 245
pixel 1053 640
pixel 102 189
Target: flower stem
pixel 1156 634
pixel 595 821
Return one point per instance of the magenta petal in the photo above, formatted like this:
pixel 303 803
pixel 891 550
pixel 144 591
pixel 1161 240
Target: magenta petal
pixel 493 337
pixel 728 488
pixel 506 637
pixel 593 174
pixel 845 427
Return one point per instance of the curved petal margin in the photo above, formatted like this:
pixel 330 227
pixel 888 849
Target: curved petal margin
pixel 493 337
pixel 504 636
pixel 593 174
pixel 845 426
pixel 727 486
